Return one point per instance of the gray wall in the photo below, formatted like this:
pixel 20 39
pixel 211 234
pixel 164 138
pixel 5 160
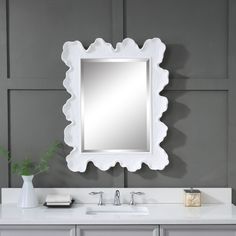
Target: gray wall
pixel 201 54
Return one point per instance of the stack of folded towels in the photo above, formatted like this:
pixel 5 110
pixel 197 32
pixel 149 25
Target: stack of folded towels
pixel 58 199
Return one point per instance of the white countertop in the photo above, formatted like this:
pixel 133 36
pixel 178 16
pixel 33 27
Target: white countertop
pixel 158 214
pixel 151 195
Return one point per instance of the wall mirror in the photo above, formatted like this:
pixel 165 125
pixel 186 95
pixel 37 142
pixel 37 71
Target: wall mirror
pixel 115 105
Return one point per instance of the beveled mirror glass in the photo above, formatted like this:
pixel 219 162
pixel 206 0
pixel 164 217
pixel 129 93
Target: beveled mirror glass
pixel 115 106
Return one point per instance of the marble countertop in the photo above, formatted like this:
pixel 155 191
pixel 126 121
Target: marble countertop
pixel 158 214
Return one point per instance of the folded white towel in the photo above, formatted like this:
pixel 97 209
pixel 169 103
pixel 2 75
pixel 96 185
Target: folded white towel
pixel 58 203
pixel 58 198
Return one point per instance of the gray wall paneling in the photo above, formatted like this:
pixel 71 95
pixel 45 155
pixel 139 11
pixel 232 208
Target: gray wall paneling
pixel 201 55
pixel 4 177
pixel 24 88
pixel 196 34
pixel 232 98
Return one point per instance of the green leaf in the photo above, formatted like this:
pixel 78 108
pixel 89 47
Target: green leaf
pixel 27 166
pixel 43 164
pixel 5 153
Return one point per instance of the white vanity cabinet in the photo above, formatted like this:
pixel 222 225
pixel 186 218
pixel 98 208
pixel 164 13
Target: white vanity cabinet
pixel 36 230
pixel 118 230
pixel 88 230
pixel 197 230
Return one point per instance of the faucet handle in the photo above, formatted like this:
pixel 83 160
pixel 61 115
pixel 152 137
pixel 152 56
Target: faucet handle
pixel 100 202
pixel 132 202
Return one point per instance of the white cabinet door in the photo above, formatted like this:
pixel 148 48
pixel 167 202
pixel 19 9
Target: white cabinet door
pixel 198 230
pixel 118 230
pixel 25 230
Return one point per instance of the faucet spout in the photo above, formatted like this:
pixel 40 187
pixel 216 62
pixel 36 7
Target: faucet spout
pixel 117 198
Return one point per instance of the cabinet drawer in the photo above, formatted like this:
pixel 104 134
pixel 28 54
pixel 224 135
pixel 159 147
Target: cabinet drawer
pixel 197 230
pixel 118 230
pixel 25 230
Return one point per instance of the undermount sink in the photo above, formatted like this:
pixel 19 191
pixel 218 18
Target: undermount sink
pixel 117 210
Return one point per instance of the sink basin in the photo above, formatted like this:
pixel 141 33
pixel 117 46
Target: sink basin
pixel 117 210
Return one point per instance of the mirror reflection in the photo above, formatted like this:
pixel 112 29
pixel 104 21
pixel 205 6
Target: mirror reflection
pixel 115 105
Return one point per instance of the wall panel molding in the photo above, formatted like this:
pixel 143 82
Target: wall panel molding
pixel 4 170
pixel 3 39
pixel 33 84
pixel 198 84
pixel 4 134
pixel 175 84
pixel 232 98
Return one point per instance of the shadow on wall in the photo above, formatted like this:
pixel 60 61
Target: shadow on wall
pixel 174 61
pixel 175 58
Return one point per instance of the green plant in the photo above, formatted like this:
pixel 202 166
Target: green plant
pixel 27 166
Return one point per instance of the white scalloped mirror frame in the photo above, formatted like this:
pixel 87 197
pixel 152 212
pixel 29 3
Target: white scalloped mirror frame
pixel 73 52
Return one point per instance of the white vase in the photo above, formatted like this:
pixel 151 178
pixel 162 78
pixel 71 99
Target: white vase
pixel 28 198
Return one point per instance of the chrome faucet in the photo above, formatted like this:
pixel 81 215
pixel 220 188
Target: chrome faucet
pixel 132 202
pixel 100 202
pixel 117 198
